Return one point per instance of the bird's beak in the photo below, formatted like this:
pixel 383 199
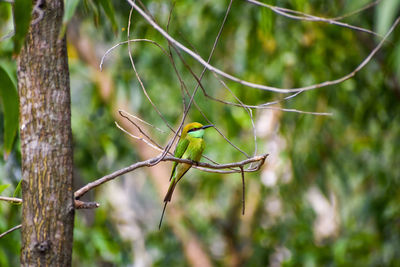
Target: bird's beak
pixel 207 126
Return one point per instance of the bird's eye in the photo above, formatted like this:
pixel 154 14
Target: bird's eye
pixel 192 130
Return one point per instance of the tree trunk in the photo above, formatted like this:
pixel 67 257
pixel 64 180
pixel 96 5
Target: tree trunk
pixel 46 142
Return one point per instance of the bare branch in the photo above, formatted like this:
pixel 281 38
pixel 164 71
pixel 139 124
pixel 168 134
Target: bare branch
pixel 374 3
pixel 243 189
pixel 150 162
pixel 307 17
pixel 199 84
pixel 78 204
pixel 240 104
pixel 85 205
pixel 301 111
pixel 182 83
pixel 156 147
pixel 11 199
pixel 260 86
pixel 11 230
pixel 167 148
pixel 151 142
pixel 8 35
pixel 126 42
pixel 138 76
pixel 139 119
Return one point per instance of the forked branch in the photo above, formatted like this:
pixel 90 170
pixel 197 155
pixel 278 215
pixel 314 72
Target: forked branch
pixel 199 59
pixel 199 165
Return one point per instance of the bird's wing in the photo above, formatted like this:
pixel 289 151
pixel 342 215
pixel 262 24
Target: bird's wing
pixel 179 151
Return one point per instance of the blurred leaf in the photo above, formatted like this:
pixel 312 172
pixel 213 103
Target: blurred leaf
pixel 396 59
pixel 3 187
pixel 385 15
pixel 9 98
pixel 17 189
pixel 109 10
pixel 5 13
pixel 22 19
pixel 69 11
pixel 94 7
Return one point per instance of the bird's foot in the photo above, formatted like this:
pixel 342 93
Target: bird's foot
pixel 196 163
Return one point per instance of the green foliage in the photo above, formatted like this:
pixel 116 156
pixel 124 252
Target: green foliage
pixel 9 100
pixel 385 15
pixel 3 187
pixel 98 243
pixel 22 19
pixel 10 244
pixel 17 190
pixel 110 13
pixel 92 6
pixel 351 158
pixel 351 154
pixel 69 11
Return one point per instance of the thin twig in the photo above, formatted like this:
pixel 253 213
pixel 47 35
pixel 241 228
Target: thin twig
pixel 153 144
pixel 301 111
pixel 374 3
pixel 243 189
pixel 78 204
pixel 150 163
pixel 198 79
pixel 11 199
pixel 260 86
pixel 126 42
pixel 85 205
pixel 138 76
pixel 141 120
pixel 242 105
pixel 156 147
pixel 164 153
pixel 186 111
pixel 11 230
pixel 140 130
pixel 307 17
pixel 182 83
pixel 8 35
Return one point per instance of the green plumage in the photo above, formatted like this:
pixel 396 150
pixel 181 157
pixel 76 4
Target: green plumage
pixel 179 150
pixel 190 146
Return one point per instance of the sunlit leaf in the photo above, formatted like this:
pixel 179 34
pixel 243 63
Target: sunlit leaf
pixel 17 189
pixel 69 11
pixel 3 187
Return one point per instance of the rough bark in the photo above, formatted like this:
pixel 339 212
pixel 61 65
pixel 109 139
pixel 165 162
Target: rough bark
pixel 46 143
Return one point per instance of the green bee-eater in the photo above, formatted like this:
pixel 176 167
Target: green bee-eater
pixel 190 146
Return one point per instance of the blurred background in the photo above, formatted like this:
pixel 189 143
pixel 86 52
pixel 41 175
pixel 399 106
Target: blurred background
pixel 328 194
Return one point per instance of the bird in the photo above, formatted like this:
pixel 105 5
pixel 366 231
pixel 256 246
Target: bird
pixel 190 146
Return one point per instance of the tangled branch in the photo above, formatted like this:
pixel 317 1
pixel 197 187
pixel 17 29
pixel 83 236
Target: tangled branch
pixel 216 168
pixel 198 58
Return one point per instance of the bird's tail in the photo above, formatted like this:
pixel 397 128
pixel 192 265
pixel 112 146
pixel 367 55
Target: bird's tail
pixel 171 188
pixel 167 199
pixel 162 214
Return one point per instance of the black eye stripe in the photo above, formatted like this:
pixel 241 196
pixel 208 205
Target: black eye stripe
pixel 194 129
